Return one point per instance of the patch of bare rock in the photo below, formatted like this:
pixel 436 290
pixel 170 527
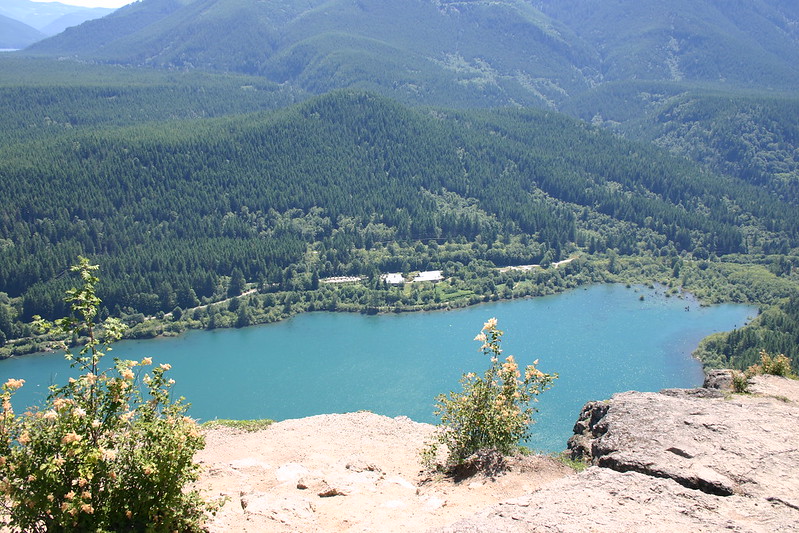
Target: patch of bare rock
pixel 679 460
pixel 346 472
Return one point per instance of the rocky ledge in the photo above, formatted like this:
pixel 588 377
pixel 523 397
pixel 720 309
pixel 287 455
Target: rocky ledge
pixel 678 460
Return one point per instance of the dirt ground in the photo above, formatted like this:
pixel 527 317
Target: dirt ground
pixel 346 472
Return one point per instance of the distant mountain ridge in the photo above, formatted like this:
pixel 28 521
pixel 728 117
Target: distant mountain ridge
pixel 49 18
pixel 469 53
pixel 15 34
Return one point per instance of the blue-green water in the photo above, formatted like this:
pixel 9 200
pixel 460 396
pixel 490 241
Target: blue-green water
pixel 601 340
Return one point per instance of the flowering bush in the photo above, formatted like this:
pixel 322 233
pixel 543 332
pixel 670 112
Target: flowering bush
pixel 778 365
pixel 108 451
pixel 493 411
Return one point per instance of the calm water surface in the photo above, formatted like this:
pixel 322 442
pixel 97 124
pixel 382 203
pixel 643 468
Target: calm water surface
pixel 601 340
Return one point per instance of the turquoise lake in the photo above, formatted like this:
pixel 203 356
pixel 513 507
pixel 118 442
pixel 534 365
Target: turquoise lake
pixel 601 340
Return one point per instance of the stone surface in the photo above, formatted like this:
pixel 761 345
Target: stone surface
pixel 603 500
pixel 742 445
pixel 679 460
pixel 345 472
pixel 718 379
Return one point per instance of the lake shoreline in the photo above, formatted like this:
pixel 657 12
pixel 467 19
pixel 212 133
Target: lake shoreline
pixel 166 333
pixel 602 339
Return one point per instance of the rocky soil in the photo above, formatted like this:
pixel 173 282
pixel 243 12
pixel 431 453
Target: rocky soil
pixel 347 472
pixel 679 460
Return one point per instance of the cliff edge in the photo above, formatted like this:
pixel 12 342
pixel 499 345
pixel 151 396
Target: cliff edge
pixel 679 460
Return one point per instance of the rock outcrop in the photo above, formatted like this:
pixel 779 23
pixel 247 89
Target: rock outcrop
pixel 678 460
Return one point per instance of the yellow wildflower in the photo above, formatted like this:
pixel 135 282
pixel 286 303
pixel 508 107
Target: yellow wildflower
pixel 14 384
pixel 109 455
pixel 70 437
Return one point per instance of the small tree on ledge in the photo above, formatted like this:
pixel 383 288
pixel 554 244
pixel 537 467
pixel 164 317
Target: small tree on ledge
pixel 100 455
pixel 493 411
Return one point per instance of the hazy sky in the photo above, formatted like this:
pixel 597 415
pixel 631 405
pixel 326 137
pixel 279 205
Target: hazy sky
pixel 93 3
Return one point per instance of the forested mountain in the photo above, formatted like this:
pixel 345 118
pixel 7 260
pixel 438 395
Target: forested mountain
pixel 750 135
pixel 196 148
pixel 182 203
pixel 471 54
pixel 737 43
pixel 454 53
pixel 15 34
pixel 43 98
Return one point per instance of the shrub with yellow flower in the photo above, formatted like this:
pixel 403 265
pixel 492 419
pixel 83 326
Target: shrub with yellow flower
pixel 103 454
pixel 493 411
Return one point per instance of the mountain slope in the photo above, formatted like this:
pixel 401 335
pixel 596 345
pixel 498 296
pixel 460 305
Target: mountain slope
pixel 490 52
pixel 15 34
pixel 750 135
pixel 457 53
pixel 753 43
pixel 74 19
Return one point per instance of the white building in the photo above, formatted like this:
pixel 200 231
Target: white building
pixel 394 278
pixel 430 275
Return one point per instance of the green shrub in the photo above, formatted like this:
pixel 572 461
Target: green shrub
pixel 100 455
pixel 740 382
pixel 493 411
pixel 244 425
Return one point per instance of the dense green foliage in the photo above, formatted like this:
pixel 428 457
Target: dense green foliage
pixel 752 136
pixel 776 331
pixel 46 99
pixel 178 207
